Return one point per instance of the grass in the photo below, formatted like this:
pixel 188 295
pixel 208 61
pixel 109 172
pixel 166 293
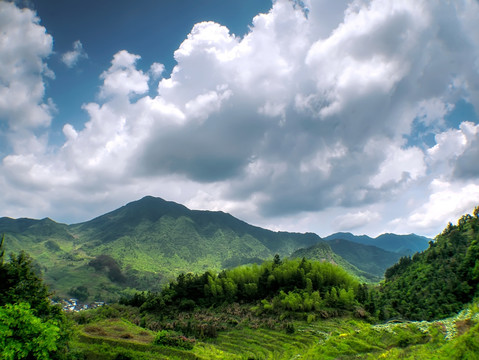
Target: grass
pixel 337 338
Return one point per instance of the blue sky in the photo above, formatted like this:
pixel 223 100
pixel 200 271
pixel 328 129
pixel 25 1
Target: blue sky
pixel 151 28
pixel 315 116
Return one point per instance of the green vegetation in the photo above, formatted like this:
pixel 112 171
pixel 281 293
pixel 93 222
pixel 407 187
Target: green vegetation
pixel 279 309
pixel 30 327
pixel 401 244
pixel 266 337
pixel 368 258
pixel 24 335
pixel 322 251
pixel 276 286
pixel 142 246
pixel 437 282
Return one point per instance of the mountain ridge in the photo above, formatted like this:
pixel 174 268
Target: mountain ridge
pixel 403 244
pixel 151 240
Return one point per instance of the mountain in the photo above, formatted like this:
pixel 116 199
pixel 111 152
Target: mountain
pixel 368 258
pixel 322 251
pixel 141 246
pixel 402 244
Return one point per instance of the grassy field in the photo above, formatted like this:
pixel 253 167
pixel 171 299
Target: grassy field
pixel 339 338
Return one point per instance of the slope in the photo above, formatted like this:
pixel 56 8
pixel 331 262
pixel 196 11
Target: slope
pixel 149 241
pixel 322 251
pixel 401 244
pixel 439 281
pixel 368 258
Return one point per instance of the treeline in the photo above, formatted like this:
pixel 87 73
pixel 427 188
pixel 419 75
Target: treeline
pixel 277 285
pixel 433 284
pixel 437 282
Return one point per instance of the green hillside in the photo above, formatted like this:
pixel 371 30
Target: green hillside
pixel 323 251
pixel 150 241
pixel 368 258
pixel 439 281
pixel 281 309
pixel 401 244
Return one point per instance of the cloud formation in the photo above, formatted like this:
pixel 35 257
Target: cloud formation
pixel 24 45
pixel 309 112
pixel 71 58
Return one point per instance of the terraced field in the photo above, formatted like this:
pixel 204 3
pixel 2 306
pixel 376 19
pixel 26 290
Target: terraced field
pixel 344 338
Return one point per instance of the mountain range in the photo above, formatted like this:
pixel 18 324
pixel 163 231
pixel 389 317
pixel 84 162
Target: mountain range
pixel 150 241
pixel 401 244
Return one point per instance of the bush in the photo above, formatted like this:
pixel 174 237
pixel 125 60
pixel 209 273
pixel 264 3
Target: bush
pixel 23 335
pixel 173 339
pixel 290 328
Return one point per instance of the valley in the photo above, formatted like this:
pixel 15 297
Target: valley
pixel 151 241
pixel 286 296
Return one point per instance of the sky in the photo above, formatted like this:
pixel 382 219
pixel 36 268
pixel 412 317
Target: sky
pixel 307 116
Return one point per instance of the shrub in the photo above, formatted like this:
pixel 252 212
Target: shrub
pixel 290 328
pixel 173 339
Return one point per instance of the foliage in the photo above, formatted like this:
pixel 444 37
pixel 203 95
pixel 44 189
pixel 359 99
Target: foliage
pixel 79 292
pixel 102 262
pixel 322 251
pixel 151 241
pixel 368 258
pixel 21 283
pixel 283 285
pixel 24 335
pixel 334 338
pixel 437 282
pixel 171 338
pixel 27 310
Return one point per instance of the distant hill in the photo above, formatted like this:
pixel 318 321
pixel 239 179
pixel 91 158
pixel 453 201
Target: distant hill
pixel 150 240
pixel 368 258
pixel 145 243
pixel 402 244
pixel 322 251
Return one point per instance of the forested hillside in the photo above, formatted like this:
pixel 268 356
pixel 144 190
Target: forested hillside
pixel 141 246
pixel 322 251
pixel 368 258
pixel 438 281
pixel 282 309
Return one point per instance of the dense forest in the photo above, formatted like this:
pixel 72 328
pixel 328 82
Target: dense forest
pixel 281 306
pixel 437 282
pixel 289 285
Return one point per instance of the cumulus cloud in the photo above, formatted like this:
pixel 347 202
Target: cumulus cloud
pixel 122 78
pixel 156 70
pixel 308 111
pixel 354 220
pixel 71 58
pixel 447 202
pixel 24 46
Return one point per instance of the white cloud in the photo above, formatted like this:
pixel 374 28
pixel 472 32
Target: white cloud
pixel 156 70
pixel 71 58
pixel 300 116
pixel 24 46
pixel 354 220
pixel 452 143
pixel 122 78
pixel 400 165
pixel 447 203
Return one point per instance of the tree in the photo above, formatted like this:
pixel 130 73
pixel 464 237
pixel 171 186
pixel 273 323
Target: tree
pixel 276 261
pixel 24 335
pixel 26 313
pixel 2 251
pixel 20 283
